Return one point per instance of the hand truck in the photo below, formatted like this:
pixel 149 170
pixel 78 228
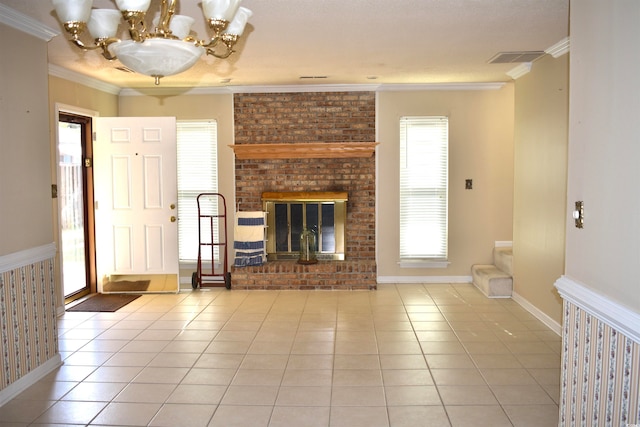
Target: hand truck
pixel 212 241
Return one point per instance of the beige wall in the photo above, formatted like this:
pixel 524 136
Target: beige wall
pixel 604 149
pixel 480 148
pixel 196 107
pixel 25 186
pixel 25 211
pixel 540 169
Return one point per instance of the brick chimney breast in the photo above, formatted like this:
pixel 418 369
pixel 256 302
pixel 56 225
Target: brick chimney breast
pixel 310 117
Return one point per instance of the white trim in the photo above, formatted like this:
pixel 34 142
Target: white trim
pixel 304 88
pixel 27 257
pixel 440 86
pixel 20 385
pixel 424 279
pixel 619 317
pixel 537 313
pixel 72 76
pixel 169 91
pixel 174 91
pixel 26 24
pixel 519 71
pixel 559 49
pixel 503 244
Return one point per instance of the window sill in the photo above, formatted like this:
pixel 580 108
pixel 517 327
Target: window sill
pixel 423 263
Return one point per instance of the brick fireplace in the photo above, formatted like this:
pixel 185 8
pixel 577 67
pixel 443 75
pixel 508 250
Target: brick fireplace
pixel 312 142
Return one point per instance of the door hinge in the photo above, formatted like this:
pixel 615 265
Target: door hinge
pixel 54 191
pixel 88 162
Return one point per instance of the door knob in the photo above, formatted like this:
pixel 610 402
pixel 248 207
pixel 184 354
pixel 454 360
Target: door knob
pixel 173 219
pixel 172 206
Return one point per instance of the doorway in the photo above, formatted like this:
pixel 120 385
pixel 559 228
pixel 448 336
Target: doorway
pixel 75 206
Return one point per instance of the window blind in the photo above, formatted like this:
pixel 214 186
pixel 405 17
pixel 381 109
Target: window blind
pixel 197 173
pixel 424 147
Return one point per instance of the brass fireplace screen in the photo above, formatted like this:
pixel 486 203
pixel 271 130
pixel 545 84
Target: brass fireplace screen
pixel 290 213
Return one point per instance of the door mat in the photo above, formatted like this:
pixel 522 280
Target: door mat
pixel 126 286
pixel 104 302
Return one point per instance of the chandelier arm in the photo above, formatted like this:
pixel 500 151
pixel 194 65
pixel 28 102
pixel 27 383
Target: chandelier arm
pixel 212 43
pixel 104 44
pixel 228 40
pixel 225 55
pixel 135 19
pixel 167 10
pixel 76 41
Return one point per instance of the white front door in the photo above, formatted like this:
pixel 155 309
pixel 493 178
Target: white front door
pixel 136 195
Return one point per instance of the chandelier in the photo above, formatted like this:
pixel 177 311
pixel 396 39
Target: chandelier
pixel 164 49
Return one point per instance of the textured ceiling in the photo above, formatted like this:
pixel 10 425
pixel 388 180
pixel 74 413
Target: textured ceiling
pixel 348 41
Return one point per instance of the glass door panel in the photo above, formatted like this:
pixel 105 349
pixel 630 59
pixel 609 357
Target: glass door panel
pixel 75 198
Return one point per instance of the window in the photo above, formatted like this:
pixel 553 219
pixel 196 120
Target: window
pixel 424 150
pixel 197 173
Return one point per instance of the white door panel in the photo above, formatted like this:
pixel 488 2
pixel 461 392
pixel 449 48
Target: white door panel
pixel 136 194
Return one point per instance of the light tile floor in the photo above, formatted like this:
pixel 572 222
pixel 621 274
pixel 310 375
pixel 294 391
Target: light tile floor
pixel 404 355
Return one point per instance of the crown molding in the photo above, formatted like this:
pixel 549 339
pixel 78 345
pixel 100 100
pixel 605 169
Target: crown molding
pixel 440 86
pixel 519 71
pixel 64 73
pixel 174 91
pixel 368 87
pixel 303 88
pixel 26 24
pixel 559 49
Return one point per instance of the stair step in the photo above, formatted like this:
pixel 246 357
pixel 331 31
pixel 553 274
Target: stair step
pixel 503 259
pixel 492 281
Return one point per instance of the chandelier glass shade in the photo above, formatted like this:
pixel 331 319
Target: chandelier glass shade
pixel 164 48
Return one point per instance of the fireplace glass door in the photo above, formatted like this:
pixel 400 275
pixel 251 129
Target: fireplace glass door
pixel 287 220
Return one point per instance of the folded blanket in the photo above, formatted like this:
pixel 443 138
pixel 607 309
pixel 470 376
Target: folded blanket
pixel 249 238
pixel 244 259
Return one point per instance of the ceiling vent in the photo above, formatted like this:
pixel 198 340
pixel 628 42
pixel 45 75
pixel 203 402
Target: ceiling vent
pixel 514 57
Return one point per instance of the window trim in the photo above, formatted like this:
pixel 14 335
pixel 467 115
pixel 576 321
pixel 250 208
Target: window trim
pixel 433 140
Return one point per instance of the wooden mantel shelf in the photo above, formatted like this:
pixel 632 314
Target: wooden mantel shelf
pixel 305 150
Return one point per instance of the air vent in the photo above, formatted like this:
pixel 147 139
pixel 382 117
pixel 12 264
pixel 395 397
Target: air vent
pixel 514 57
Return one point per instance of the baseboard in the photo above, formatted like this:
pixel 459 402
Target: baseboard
pixel 17 387
pixel 424 279
pixel 537 313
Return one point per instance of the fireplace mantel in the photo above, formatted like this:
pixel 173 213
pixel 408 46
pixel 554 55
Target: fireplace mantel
pixel 305 150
